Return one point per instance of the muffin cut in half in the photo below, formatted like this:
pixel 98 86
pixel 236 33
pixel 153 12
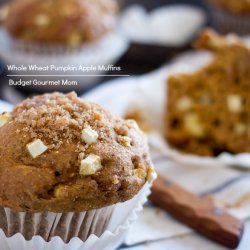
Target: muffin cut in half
pixel 208 112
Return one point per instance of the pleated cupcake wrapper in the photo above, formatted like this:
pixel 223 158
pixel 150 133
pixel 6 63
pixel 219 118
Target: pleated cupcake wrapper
pixel 48 225
pixel 226 22
pixel 108 43
pixel 99 229
pixel 43 49
pixel 103 52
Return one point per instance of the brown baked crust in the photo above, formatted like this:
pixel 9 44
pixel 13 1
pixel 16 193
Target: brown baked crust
pixel 70 22
pixel 204 101
pixel 234 6
pixel 51 182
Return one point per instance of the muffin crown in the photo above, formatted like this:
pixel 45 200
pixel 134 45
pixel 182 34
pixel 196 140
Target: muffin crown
pixel 70 22
pixel 60 153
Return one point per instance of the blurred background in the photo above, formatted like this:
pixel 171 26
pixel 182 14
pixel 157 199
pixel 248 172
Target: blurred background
pixel 140 57
pixel 175 25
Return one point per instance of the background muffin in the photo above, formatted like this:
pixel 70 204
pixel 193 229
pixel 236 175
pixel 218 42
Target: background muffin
pixel 207 112
pixel 231 15
pixel 61 154
pixel 239 6
pixel 69 22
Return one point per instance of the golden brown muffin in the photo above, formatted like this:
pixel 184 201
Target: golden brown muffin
pixel 234 6
pixel 208 112
pixel 59 153
pixel 70 22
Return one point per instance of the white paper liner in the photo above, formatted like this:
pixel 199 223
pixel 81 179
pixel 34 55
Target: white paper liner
pixel 123 214
pixel 103 52
pixel 148 94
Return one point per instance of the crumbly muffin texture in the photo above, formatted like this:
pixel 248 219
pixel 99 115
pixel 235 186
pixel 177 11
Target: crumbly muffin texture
pixel 234 6
pixel 70 22
pixel 208 112
pixel 59 153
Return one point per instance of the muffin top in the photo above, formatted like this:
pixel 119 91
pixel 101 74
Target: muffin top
pixel 70 22
pixel 59 153
pixel 234 6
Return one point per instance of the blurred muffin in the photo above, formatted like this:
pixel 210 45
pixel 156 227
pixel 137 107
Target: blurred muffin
pixel 231 15
pixel 237 7
pixel 70 22
pixel 208 112
pixel 61 154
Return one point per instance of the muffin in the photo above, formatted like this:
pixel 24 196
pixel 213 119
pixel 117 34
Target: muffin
pixel 67 162
pixel 231 15
pixel 208 112
pixel 70 22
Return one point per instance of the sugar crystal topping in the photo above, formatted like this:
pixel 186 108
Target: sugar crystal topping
pixel 56 118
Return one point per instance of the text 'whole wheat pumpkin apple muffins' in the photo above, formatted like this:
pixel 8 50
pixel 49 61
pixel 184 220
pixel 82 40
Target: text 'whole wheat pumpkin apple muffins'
pixel 208 112
pixel 63 156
